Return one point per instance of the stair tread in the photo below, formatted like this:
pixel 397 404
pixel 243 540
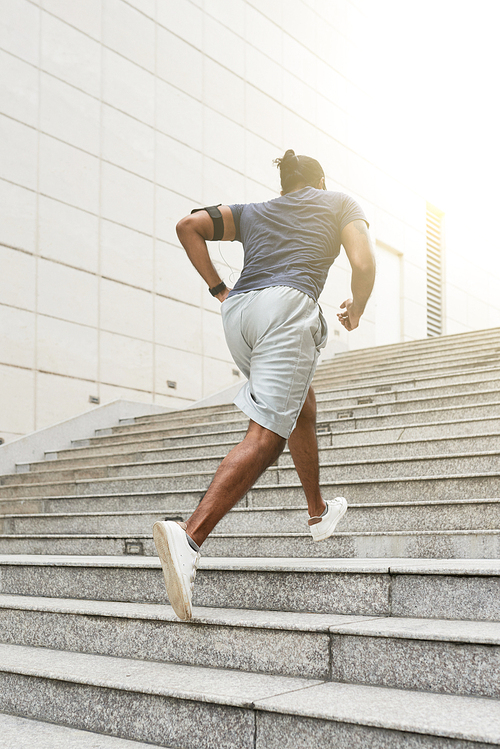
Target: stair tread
pixel 468 718
pixel 241 419
pixel 256 487
pixel 239 510
pixel 281 466
pixel 395 565
pixel 446 630
pixel 25 733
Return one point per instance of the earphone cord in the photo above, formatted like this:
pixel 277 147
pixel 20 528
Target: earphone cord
pixel 232 271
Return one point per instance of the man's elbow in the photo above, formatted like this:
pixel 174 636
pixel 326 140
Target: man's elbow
pixel 183 226
pixel 365 266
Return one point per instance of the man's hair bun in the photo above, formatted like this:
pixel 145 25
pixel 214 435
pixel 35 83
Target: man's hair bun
pixel 290 158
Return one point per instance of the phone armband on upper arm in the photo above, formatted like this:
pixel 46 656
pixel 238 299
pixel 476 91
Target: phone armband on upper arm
pixel 217 220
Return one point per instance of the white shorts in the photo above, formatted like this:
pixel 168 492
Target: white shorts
pixel 275 336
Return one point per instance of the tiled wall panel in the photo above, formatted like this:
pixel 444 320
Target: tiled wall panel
pixel 117 117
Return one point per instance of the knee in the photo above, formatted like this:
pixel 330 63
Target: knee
pixel 308 412
pixel 278 447
pixel 270 443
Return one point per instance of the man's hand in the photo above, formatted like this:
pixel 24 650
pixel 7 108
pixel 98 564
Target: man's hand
pixel 223 295
pixel 350 318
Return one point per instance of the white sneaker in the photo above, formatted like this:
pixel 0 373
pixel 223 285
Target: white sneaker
pixel 322 527
pixel 179 562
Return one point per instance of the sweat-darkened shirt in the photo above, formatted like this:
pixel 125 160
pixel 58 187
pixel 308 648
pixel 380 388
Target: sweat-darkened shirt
pixel 292 240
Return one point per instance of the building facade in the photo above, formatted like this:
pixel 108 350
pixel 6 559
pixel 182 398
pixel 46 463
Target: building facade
pixel 117 117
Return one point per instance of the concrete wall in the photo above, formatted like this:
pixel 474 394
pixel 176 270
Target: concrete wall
pixel 116 118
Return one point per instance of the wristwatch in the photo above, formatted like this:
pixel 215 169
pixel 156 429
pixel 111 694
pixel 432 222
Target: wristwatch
pixel 217 289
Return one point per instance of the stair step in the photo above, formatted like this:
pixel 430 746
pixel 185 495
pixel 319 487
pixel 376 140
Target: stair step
pixel 331 409
pixel 450 361
pixel 430 430
pixel 419 588
pixel 439 515
pixel 188 455
pixel 449 544
pixel 24 733
pixel 451 657
pixel 344 420
pixel 266 494
pixel 180 705
pixel 332 468
pixel 484 342
pixel 389 402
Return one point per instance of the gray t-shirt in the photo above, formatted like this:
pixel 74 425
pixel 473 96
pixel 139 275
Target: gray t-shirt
pixel 292 240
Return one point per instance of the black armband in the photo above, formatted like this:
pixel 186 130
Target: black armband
pixel 216 216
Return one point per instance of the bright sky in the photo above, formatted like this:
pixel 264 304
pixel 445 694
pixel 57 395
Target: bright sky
pixel 436 71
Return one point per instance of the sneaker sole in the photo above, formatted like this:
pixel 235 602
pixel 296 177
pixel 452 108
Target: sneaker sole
pixel 332 531
pixel 164 540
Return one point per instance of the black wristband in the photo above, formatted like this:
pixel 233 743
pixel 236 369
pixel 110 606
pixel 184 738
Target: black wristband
pixel 217 289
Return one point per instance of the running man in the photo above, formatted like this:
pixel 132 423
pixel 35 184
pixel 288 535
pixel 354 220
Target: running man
pixel 275 330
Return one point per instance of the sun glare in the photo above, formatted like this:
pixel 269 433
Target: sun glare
pixel 434 69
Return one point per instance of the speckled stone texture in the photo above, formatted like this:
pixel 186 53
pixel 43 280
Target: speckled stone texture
pixel 22 733
pixel 451 544
pixel 150 718
pixel 315 592
pixel 392 468
pixel 412 544
pixel 451 668
pixel 342 593
pixel 262 650
pixel 276 731
pixel 390 490
pixel 412 712
pixel 446 597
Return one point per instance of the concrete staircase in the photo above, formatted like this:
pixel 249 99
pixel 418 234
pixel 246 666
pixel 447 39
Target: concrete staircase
pixel 386 635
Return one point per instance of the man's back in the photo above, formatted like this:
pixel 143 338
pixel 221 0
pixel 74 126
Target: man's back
pixel 292 240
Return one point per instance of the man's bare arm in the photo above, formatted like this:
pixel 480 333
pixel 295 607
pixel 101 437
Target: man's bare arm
pixel 193 232
pixel 359 250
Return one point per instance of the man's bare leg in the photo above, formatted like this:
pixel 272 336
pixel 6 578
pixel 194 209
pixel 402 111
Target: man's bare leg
pixel 237 473
pixel 303 446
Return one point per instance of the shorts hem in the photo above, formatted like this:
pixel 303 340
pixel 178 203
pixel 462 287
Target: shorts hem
pixel 253 413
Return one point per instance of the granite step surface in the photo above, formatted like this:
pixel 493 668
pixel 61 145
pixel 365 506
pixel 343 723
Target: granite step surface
pixel 357 492
pixel 474 337
pixel 342 398
pixel 369 375
pixel 440 358
pixel 481 377
pixel 362 359
pixel 446 656
pixel 266 493
pixel 431 431
pixel 174 704
pixel 332 468
pixel 405 379
pixel 432 428
pixel 469 514
pixel 330 409
pixel 342 420
pixel 24 733
pixel 443 346
pixel 371 378
pixel 448 544
pixel 187 454
pixel 418 588
pixel 418 397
